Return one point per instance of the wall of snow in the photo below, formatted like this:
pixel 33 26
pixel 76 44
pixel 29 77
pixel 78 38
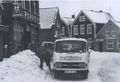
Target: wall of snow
pixel 21 67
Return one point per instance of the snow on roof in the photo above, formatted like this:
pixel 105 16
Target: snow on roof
pixel 98 16
pixel 47 17
pixel 73 39
pixel 117 23
pixel 67 20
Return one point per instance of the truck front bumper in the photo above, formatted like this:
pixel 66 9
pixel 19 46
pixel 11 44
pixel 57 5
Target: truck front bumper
pixel 71 72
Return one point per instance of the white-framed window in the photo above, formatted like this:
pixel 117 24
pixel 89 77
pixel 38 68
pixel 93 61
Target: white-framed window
pixel 75 29
pixel 89 28
pixel 118 44
pixel 110 44
pixel 63 31
pixel 82 29
pixel 82 18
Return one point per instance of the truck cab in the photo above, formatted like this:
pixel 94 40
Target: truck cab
pixel 71 57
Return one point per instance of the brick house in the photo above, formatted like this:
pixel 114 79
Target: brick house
pixel 88 23
pixel 22 17
pixel 108 38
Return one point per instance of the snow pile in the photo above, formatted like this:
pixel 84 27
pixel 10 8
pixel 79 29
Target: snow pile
pixel 22 67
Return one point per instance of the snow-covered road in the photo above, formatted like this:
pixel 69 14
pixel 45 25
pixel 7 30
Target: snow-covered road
pixel 24 67
pixel 104 67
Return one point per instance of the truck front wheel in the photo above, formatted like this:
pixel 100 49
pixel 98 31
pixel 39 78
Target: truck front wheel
pixel 85 75
pixel 56 75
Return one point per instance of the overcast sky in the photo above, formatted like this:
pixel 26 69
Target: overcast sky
pixel 69 7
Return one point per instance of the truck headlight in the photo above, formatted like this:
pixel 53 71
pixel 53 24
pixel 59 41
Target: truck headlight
pixel 82 65
pixel 58 65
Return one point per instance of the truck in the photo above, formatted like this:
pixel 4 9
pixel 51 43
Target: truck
pixel 71 57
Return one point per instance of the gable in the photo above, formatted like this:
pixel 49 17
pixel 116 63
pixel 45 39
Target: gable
pixel 110 26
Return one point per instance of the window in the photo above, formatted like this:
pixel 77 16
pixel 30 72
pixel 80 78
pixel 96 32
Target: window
pixel 90 41
pixel 107 32
pixel 89 28
pixel 113 32
pixel 75 30
pixel 63 30
pixel 118 44
pixel 82 18
pixel 110 44
pixel 82 29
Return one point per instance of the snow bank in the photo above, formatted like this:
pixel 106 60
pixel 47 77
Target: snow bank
pixel 24 67
pixel 21 67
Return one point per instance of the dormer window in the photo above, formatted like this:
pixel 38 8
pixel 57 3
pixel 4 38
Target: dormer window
pixel 82 18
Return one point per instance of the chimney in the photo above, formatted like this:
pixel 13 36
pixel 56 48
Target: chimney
pixel 100 11
pixel 73 16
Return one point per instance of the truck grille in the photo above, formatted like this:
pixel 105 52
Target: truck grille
pixel 72 65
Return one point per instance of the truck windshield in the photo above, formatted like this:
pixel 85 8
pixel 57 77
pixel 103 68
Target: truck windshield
pixel 70 46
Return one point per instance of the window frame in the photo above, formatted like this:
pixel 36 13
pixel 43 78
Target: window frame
pixel 107 32
pixel 82 29
pixel 89 28
pixel 63 31
pixel 118 44
pixel 82 18
pixel 109 44
pixel 75 30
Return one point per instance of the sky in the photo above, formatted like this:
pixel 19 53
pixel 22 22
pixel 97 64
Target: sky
pixel 73 7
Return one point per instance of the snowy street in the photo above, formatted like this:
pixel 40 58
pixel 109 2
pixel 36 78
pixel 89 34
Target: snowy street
pixel 24 67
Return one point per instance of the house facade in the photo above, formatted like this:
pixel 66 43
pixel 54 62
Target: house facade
pixel 66 24
pixel 22 17
pixel 88 23
pixel 108 38
pixel 3 31
pixel 52 26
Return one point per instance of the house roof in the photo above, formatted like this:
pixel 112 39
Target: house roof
pixel 67 20
pixel 117 23
pixel 47 17
pixel 96 16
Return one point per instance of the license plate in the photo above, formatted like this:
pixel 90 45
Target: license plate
pixel 70 71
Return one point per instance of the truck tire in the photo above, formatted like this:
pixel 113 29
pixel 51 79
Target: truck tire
pixel 56 76
pixel 86 74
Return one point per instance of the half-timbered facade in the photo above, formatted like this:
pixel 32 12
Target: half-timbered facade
pixel 88 23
